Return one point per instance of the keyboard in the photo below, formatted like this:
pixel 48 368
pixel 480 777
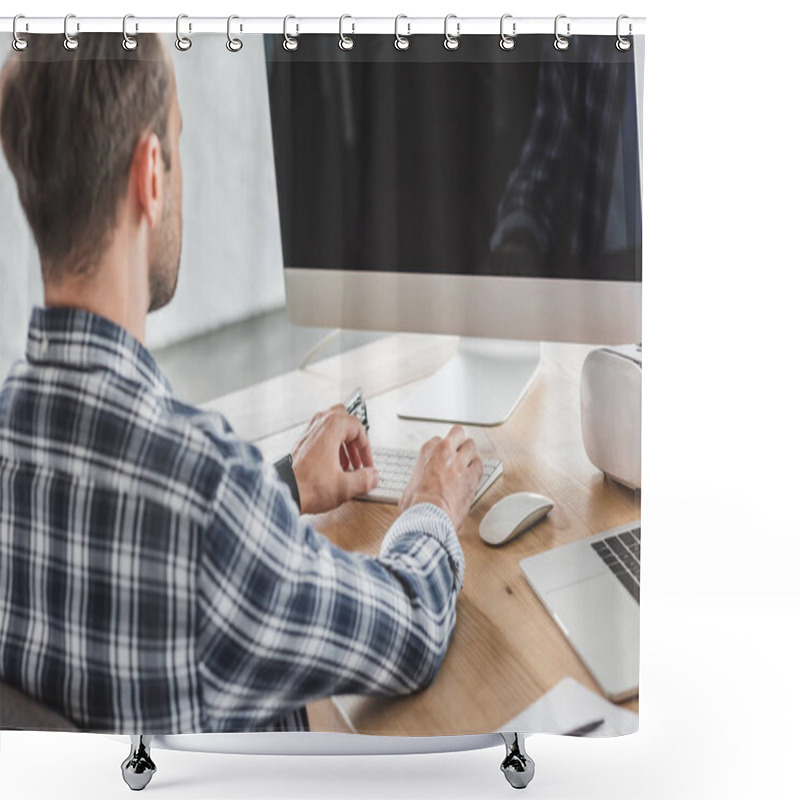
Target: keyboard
pixel 621 553
pixel 395 466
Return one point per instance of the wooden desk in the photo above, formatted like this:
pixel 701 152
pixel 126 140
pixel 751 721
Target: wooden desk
pixel 506 650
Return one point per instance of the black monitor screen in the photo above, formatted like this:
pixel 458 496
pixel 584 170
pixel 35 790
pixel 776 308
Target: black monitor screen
pixel 477 161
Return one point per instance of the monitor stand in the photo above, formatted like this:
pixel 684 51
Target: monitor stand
pixel 480 385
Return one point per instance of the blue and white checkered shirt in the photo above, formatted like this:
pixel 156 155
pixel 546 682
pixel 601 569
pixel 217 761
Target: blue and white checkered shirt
pixel 156 576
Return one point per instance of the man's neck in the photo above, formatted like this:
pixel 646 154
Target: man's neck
pixel 115 288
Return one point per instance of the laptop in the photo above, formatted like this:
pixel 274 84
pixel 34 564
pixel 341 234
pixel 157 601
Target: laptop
pixel 591 589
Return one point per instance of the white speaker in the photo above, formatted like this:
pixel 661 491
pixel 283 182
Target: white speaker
pixel 611 412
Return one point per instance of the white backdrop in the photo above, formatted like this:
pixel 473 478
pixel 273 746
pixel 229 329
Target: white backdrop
pixel 720 604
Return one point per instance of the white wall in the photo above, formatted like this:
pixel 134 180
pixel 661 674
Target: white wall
pixel 231 265
pixel 20 281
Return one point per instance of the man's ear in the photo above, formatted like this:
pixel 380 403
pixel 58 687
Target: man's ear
pixel 146 177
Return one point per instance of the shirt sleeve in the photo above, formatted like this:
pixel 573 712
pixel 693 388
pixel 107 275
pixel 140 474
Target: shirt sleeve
pixel 286 617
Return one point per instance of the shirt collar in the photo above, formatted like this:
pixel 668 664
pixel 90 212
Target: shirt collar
pixel 79 339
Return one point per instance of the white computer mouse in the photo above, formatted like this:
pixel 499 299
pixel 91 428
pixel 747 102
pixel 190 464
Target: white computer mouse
pixel 512 515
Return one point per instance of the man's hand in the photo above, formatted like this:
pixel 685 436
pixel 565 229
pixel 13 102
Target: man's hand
pixel 332 461
pixel 446 474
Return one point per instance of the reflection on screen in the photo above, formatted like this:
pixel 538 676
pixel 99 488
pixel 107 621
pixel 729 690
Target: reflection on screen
pixel 518 163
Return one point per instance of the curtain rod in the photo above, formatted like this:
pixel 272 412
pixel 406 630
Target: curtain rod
pixel 298 25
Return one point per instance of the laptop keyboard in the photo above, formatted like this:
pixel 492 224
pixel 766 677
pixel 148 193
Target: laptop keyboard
pixel 621 553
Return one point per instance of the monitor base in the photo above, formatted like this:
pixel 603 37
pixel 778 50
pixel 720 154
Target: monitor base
pixel 481 385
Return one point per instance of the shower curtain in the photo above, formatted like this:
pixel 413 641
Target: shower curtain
pixel 418 185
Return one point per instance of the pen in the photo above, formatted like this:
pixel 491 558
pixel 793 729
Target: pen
pixel 356 398
pixel 584 729
pixel 357 407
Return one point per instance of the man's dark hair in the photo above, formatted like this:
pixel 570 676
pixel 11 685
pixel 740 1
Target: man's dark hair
pixel 69 124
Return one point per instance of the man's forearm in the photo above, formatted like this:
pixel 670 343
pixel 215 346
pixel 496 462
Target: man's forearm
pixel 420 537
pixel 426 519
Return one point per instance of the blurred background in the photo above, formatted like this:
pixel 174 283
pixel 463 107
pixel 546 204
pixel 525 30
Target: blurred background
pixel 226 328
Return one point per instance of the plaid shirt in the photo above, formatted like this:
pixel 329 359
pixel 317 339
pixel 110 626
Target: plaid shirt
pixel 156 576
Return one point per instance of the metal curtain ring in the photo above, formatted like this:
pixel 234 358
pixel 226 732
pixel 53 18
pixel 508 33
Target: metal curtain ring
pixel 561 43
pixel 183 43
pixel 451 42
pixel 70 42
pixel 507 42
pixel 401 42
pixel 234 45
pixel 18 43
pixel 346 42
pixel 622 43
pixel 128 42
pixel 289 43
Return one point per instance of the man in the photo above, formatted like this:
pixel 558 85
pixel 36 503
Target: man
pixel 155 575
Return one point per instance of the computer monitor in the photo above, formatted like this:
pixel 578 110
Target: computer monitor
pixel 481 192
